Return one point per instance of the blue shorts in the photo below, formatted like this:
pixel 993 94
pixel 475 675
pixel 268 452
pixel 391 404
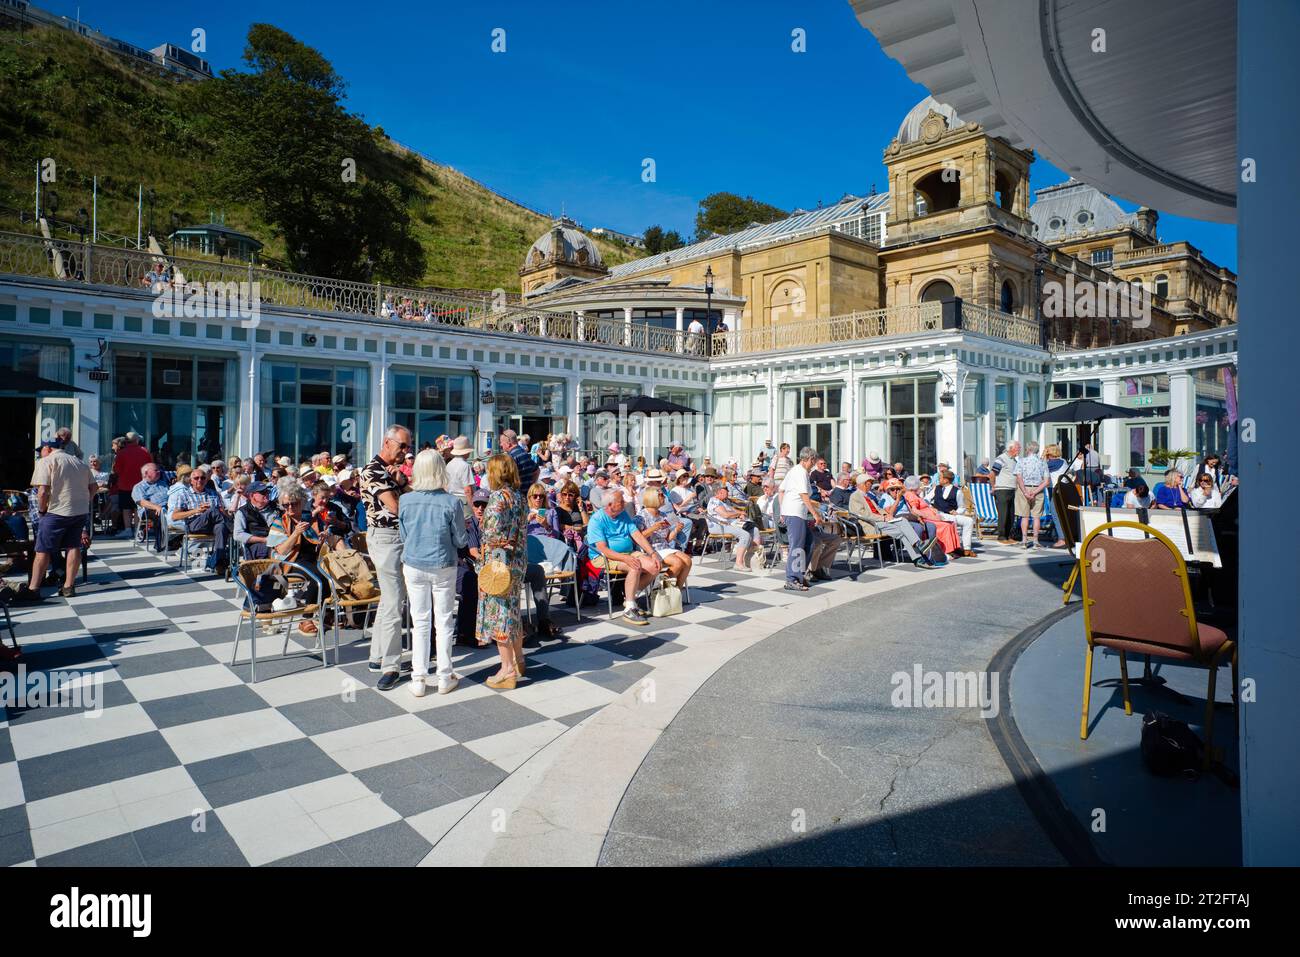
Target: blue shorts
pixel 55 533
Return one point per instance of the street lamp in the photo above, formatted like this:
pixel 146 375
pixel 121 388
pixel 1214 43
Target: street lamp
pixel 152 198
pixel 1040 257
pixel 83 222
pixel 708 310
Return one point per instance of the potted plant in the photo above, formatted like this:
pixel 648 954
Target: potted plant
pixel 1170 458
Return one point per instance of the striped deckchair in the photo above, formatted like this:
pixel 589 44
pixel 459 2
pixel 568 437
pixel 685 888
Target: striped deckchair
pixel 985 508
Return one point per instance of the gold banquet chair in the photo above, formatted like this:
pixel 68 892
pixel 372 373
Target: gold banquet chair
pixel 1136 598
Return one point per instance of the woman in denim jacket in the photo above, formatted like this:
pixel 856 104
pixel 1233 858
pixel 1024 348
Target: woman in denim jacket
pixel 432 525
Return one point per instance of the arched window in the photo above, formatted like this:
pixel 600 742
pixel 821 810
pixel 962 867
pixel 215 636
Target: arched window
pixel 1004 190
pixel 1162 286
pixel 1008 300
pixel 939 289
pixel 938 191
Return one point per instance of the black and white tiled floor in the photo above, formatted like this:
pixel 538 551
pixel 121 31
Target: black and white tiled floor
pixel 188 763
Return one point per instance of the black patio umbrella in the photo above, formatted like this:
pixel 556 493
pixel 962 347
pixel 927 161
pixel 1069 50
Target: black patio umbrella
pixel 646 405
pixel 18 381
pixel 1087 412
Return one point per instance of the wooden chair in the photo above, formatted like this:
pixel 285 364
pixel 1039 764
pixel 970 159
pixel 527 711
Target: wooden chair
pixel 1137 598
pixel 296 574
pixel 968 509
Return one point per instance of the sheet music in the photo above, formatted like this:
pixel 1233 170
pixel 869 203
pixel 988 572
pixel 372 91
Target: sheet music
pixel 1168 522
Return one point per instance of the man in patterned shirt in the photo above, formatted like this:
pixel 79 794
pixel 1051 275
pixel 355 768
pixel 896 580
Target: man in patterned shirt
pixel 382 481
pixel 1031 485
pixel 199 508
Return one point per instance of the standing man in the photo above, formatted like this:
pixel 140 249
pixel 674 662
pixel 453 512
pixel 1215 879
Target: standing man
pixel 1031 480
pixel 382 481
pixel 126 466
pixel 65 488
pixel 460 477
pixel 524 462
pixel 799 512
pixel 1004 491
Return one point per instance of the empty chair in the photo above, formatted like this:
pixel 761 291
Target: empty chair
pixel 1136 598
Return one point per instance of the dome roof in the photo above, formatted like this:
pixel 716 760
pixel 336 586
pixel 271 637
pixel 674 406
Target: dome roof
pixel 564 242
pixel 909 131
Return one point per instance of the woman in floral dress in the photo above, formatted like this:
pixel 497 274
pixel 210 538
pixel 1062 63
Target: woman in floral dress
pixel 500 618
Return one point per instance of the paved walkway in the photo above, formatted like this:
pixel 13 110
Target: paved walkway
pixel 189 763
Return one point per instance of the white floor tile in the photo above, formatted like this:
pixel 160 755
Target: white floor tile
pixel 412 745
pixel 109 620
pixel 331 792
pixel 215 737
pixel 75 730
pixel 76 832
pixel 169 684
pixel 510 749
pixel 433 824
pixel 355 817
pixel 11 785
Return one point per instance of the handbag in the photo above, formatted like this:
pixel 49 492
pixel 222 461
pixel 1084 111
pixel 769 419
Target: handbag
pixel 666 601
pixel 494 578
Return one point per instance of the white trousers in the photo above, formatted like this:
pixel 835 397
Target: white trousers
pixel 965 526
pixel 430 594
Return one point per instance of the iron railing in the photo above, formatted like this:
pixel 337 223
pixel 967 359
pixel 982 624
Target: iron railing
pixel 999 325
pixel 852 327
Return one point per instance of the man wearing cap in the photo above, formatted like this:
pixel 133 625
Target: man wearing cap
pixel 198 509
pixel 460 477
pixel 127 463
pixel 150 495
pixel 900 530
pixel 596 494
pixel 346 496
pixel 253 522
pixel 466 573
pixel 64 488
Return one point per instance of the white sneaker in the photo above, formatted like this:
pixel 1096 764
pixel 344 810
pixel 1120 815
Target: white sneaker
pixel 419 686
pixel 448 685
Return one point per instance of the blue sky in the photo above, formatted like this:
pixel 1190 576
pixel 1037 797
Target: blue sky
pixel 584 92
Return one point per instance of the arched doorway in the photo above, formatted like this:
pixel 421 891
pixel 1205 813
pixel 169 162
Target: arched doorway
pixel 937 290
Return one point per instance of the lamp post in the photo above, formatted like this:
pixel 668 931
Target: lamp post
pixel 708 310
pixel 153 197
pixel 83 222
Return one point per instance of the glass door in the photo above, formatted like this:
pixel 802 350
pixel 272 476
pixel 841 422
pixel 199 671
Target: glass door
pixel 55 414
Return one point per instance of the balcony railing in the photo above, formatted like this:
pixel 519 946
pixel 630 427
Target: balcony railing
pixel 73 261
pixel 999 325
pixel 852 327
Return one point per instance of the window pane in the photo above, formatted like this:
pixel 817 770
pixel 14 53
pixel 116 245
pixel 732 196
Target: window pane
pixel 927 445
pixel 314 432
pixel 172 433
pixel 172 378
pixel 131 417
pixel 129 377
pixel 902 441
pixel 279 384
pixel 348 387
pixel 927 397
pixel 317 393
pixel 350 426
pixel 459 393
pixel 404 387
pixel 873 400
pixel 1137 448
pixel 902 398
pixel 833 398
pixel 433 392
pixel 210 427
pixel 212 380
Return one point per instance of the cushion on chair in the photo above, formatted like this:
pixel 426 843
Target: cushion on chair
pixel 1211 638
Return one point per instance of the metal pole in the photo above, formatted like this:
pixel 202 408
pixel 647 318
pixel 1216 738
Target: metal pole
pixel 94 206
pixel 38 195
pixel 139 214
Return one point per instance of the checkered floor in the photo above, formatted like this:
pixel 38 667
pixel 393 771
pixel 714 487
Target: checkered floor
pixel 190 764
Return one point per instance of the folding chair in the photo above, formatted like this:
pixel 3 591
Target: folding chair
pixel 986 510
pixel 607 578
pixel 968 509
pixel 857 535
pixel 1137 598
pixel 722 540
pixel 199 541
pixel 296 574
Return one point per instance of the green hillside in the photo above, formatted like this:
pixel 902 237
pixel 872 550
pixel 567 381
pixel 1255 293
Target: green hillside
pixel 95 114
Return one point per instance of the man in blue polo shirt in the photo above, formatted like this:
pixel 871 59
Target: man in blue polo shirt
pixel 614 534
pixel 150 495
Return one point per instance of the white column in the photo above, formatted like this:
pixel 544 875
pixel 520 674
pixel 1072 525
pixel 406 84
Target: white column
pixel 1182 411
pixel 572 398
pixel 1112 430
pixel 486 418
pixel 89 408
pixel 250 387
pixel 378 407
pixel 989 425
pixel 1017 395
pixel 582 325
pixel 949 438
pixel 627 325
pixel 681 339
pixel 851 451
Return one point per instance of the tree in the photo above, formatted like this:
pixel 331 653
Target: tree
pixel 658 241
pixel 286 145
pixel 722 213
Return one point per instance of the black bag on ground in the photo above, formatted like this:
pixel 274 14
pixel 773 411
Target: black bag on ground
pixel 268 587
pixel 1169 746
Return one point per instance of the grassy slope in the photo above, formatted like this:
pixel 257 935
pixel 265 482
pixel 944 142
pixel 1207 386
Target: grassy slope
pixel 63 97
